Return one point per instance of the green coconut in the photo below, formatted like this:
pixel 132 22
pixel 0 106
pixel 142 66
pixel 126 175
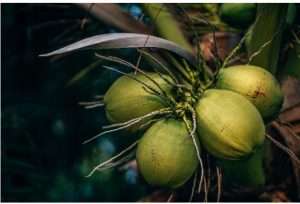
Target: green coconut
pixel 239 15
pixel 127 98
pixel 229 126
pixel 166 155
pixel 256 84
pixel 246 172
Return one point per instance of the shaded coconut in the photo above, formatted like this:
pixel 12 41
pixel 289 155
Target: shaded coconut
pixel 239 15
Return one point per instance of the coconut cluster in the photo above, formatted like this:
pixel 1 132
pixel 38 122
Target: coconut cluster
pixel 226 120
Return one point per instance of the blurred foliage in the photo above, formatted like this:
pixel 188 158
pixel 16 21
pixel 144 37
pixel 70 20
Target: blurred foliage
pixel 42 124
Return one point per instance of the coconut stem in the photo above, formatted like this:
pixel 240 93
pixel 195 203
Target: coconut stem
pixel 134 78
pixel 91 104
pixel 201 63
pixel 289 127
pixel 184 73
pixel 170 197
pixel 196 35
pixel 205 189
pixel 165 68
pixel 127 125
pixel 151 90
pixel 109 131
pixel 168 99
pixel 94 106
pixel 192 131
pixel 148 123
pixel 112 158
pixel 208 177
pixel 235 50
pixel 262 47
pixel 128 64
pixel 99 97
pixel 88 103
pixel 275 16
pixel 194 186
pixel 168 27
pixel 219 183
pixel 284 148
pixel 153 113
pixel 120 161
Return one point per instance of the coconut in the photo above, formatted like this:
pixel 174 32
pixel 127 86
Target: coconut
pixel 229 126
pixel 238 15
pixel 256 84
pixel 166 155
pixel 127 98
pixel 246 172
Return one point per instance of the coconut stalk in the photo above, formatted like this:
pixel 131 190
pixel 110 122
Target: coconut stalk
pixel 266 35
pixel 166 25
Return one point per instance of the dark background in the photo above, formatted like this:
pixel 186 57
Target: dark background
pixel 42 124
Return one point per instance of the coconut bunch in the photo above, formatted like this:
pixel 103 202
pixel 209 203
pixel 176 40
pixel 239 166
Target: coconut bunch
pixel 225 118
pixel 178 118
pixel 186 114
